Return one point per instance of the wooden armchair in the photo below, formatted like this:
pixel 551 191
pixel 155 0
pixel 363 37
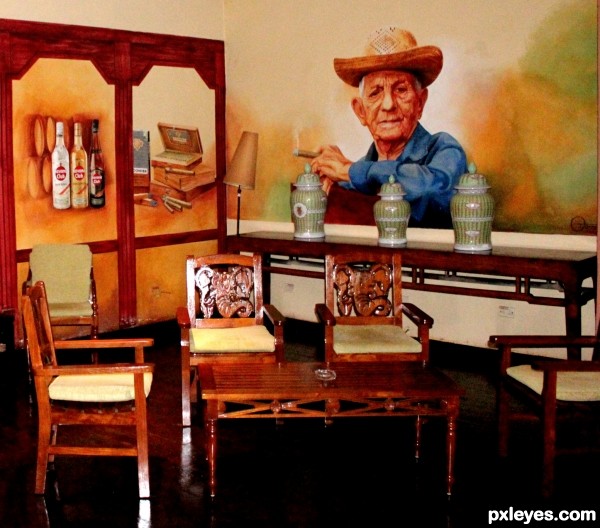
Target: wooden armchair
pixel 71 394
pixel 554 391
pixel 225 320
pixel 363 311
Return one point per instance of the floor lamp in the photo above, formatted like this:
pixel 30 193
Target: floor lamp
pixel 242 171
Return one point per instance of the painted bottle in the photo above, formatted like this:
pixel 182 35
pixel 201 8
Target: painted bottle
pixel 79 172
pixel 61 183
pixel 96 166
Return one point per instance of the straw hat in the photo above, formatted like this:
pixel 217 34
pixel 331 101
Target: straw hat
pixel 392 48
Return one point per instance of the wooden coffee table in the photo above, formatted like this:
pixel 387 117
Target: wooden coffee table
pixel 293 390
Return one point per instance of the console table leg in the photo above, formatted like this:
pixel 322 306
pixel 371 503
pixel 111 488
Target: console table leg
pixel 452 406
pixel 418 429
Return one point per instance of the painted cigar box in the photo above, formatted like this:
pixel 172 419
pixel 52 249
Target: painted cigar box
pixel 185 178
pixel 182 146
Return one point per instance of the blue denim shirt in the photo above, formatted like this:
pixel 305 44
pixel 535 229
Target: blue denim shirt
pixel 428 169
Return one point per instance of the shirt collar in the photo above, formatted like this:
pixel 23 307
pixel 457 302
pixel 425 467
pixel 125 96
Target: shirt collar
pixel 415 149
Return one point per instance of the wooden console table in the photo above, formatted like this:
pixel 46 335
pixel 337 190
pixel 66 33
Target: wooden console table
pixel 504 273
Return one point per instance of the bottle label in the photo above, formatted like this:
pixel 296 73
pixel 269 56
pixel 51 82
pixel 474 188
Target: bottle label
pixel 60 173
pixel 79 173
pixel 97 177
pixel 61 197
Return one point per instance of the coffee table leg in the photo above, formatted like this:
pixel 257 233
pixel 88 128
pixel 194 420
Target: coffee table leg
pixel 452 406
pixel 210 428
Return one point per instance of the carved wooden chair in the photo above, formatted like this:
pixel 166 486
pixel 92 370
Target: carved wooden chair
pixel 68 274
pixel 72 394
pixel 550 391
pixel 225 320
pixel 363 311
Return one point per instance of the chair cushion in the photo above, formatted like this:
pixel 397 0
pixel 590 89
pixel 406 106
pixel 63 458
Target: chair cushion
pixel 83 309
pixel 382 339
pixel 570 386
pixel 255 338
pixel 97 387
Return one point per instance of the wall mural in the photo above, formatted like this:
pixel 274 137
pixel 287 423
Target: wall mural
pixel 521 103
pixel 536 129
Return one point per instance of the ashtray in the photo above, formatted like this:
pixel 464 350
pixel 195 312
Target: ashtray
pixel 325 374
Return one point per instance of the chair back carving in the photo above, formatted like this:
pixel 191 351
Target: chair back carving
pixel 363 289
pixel 222 290
pixel 364 286
pixel 229 290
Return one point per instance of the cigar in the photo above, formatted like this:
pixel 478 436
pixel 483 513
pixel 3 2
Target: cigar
pixel 299 153
pixel 171 206
pixel 168 207
pixel 145 200
pixel 183 203
pixel 173 170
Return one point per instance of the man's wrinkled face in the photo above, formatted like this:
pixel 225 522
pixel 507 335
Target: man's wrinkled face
pixel 390 105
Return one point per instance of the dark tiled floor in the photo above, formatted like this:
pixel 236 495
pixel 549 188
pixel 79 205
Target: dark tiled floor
pixel 301 474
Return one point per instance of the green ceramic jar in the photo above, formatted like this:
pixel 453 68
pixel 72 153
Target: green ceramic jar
pixel 391 214
pixel 472 210
pixel 308 203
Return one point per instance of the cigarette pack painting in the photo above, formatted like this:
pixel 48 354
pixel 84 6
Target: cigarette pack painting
pixel 141 158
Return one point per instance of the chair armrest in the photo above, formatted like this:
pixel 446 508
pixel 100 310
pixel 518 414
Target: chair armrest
pixel 567 366
pixel 416 315
pixel 273 314
pixel 103 343
pixel 541 341
pixel 78 370
pixel 98 344
pixel 324 314
pixel 506 344
pixel 183 317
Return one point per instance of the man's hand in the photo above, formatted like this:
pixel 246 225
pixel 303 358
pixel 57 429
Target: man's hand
pixel 332 164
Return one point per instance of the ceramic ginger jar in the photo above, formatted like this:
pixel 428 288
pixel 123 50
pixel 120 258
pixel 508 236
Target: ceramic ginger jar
pixel 308 202
pixel 391 214
pixel 472 211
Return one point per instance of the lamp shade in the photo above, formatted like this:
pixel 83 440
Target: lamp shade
pixel 242 171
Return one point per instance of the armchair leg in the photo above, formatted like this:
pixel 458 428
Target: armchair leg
pixel 503 420
pixel 41 466
pixel 549 431
pixel 185 397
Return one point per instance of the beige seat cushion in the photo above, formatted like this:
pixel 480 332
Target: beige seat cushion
pixel 254 338
pixel 382 339
pixel 97 387
pixel 570 386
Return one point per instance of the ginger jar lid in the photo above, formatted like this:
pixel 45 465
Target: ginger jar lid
pixel 308 179
pixel 471 181
pixel 392 190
